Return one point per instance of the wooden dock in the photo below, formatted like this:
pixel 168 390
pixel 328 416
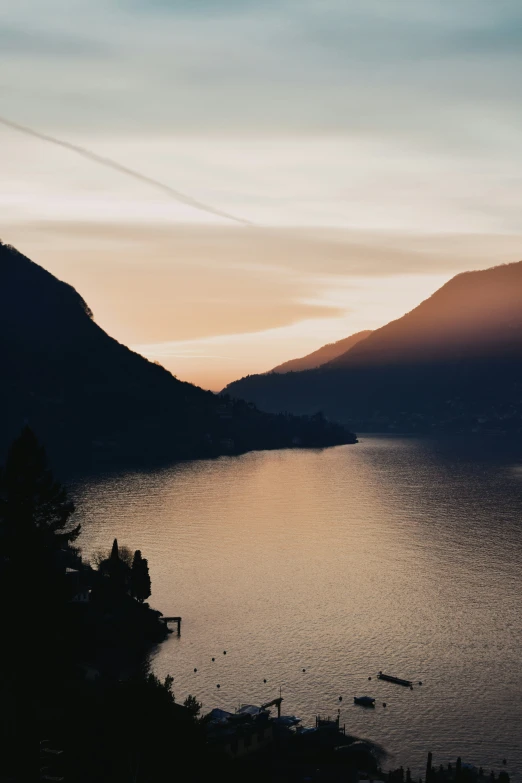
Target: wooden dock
pixel 177 620
pixel 396 680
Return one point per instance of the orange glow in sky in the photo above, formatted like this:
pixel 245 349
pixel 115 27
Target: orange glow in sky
pixel 213 304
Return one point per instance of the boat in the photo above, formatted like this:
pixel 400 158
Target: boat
pixel 364 701
pixel 396 680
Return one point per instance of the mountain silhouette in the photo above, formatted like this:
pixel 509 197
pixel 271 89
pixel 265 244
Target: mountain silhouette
pixel 93 401
pixel 452 363
pixel 475 315
pixel 323 355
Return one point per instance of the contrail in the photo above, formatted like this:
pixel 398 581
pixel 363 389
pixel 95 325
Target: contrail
pixel 113 164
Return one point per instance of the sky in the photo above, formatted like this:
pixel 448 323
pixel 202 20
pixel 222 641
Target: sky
pixel 374 147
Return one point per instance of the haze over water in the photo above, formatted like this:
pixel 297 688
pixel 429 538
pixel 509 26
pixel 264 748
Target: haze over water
pixel 398 554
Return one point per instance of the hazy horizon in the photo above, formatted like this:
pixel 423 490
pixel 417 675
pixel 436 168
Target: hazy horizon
pixel 376 149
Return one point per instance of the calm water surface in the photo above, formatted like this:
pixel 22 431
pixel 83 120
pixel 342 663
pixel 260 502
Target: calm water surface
pixel 397 554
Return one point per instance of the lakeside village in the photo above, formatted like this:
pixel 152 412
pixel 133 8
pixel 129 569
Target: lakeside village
pixel 90 698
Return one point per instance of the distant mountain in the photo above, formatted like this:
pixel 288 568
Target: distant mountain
pixel 475 315
pixel 452 363
pixel 325 354
pixel 93 401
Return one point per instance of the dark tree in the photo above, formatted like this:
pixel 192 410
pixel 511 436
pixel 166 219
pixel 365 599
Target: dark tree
pixel 101 555
pixel 429 767
pixel 192 705
pixel 140 578
pixel 145 729
pixel 34 509
pixel 458 769
pixel 117 570
pixel 36 535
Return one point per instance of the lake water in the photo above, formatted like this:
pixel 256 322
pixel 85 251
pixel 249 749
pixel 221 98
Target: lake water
pixel 398 554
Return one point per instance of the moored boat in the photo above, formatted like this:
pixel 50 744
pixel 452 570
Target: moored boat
pixel 364 701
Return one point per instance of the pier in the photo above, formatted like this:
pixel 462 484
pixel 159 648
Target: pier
pixel 396 680
pixel 177 620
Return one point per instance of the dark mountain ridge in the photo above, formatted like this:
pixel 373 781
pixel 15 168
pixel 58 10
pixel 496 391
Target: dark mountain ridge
pixel 453 363
pixel 94 401
pixel 325 354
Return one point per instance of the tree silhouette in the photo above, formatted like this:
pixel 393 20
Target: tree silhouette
pixel 34 508
pixel 140 578
pixel 117 570
pixel 36 537
pixel 101 555
pixel 193 705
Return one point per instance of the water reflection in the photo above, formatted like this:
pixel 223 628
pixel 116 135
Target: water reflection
pixel 397 554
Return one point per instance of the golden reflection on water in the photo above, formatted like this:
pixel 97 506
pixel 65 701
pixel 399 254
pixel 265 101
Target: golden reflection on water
pixel 396 554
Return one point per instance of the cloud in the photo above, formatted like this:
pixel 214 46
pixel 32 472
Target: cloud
pixel 165 282
pixel 291 65
pixel 389 109
pixel 20 42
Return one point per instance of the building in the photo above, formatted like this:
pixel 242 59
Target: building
pixel 240 733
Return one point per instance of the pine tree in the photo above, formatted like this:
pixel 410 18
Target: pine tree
pixel 34 508
pixel 135 573
pixel 36 535
pixel 117 570
pixel 193 705
pixel 140 578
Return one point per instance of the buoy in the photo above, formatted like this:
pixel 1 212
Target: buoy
pixel 420 682
pixel 195 670
pixel 264 680
pixel 369 678
pixel 304 670
pixel 213 659
pixel 218 686
pixel 384 704
pixel 224 652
